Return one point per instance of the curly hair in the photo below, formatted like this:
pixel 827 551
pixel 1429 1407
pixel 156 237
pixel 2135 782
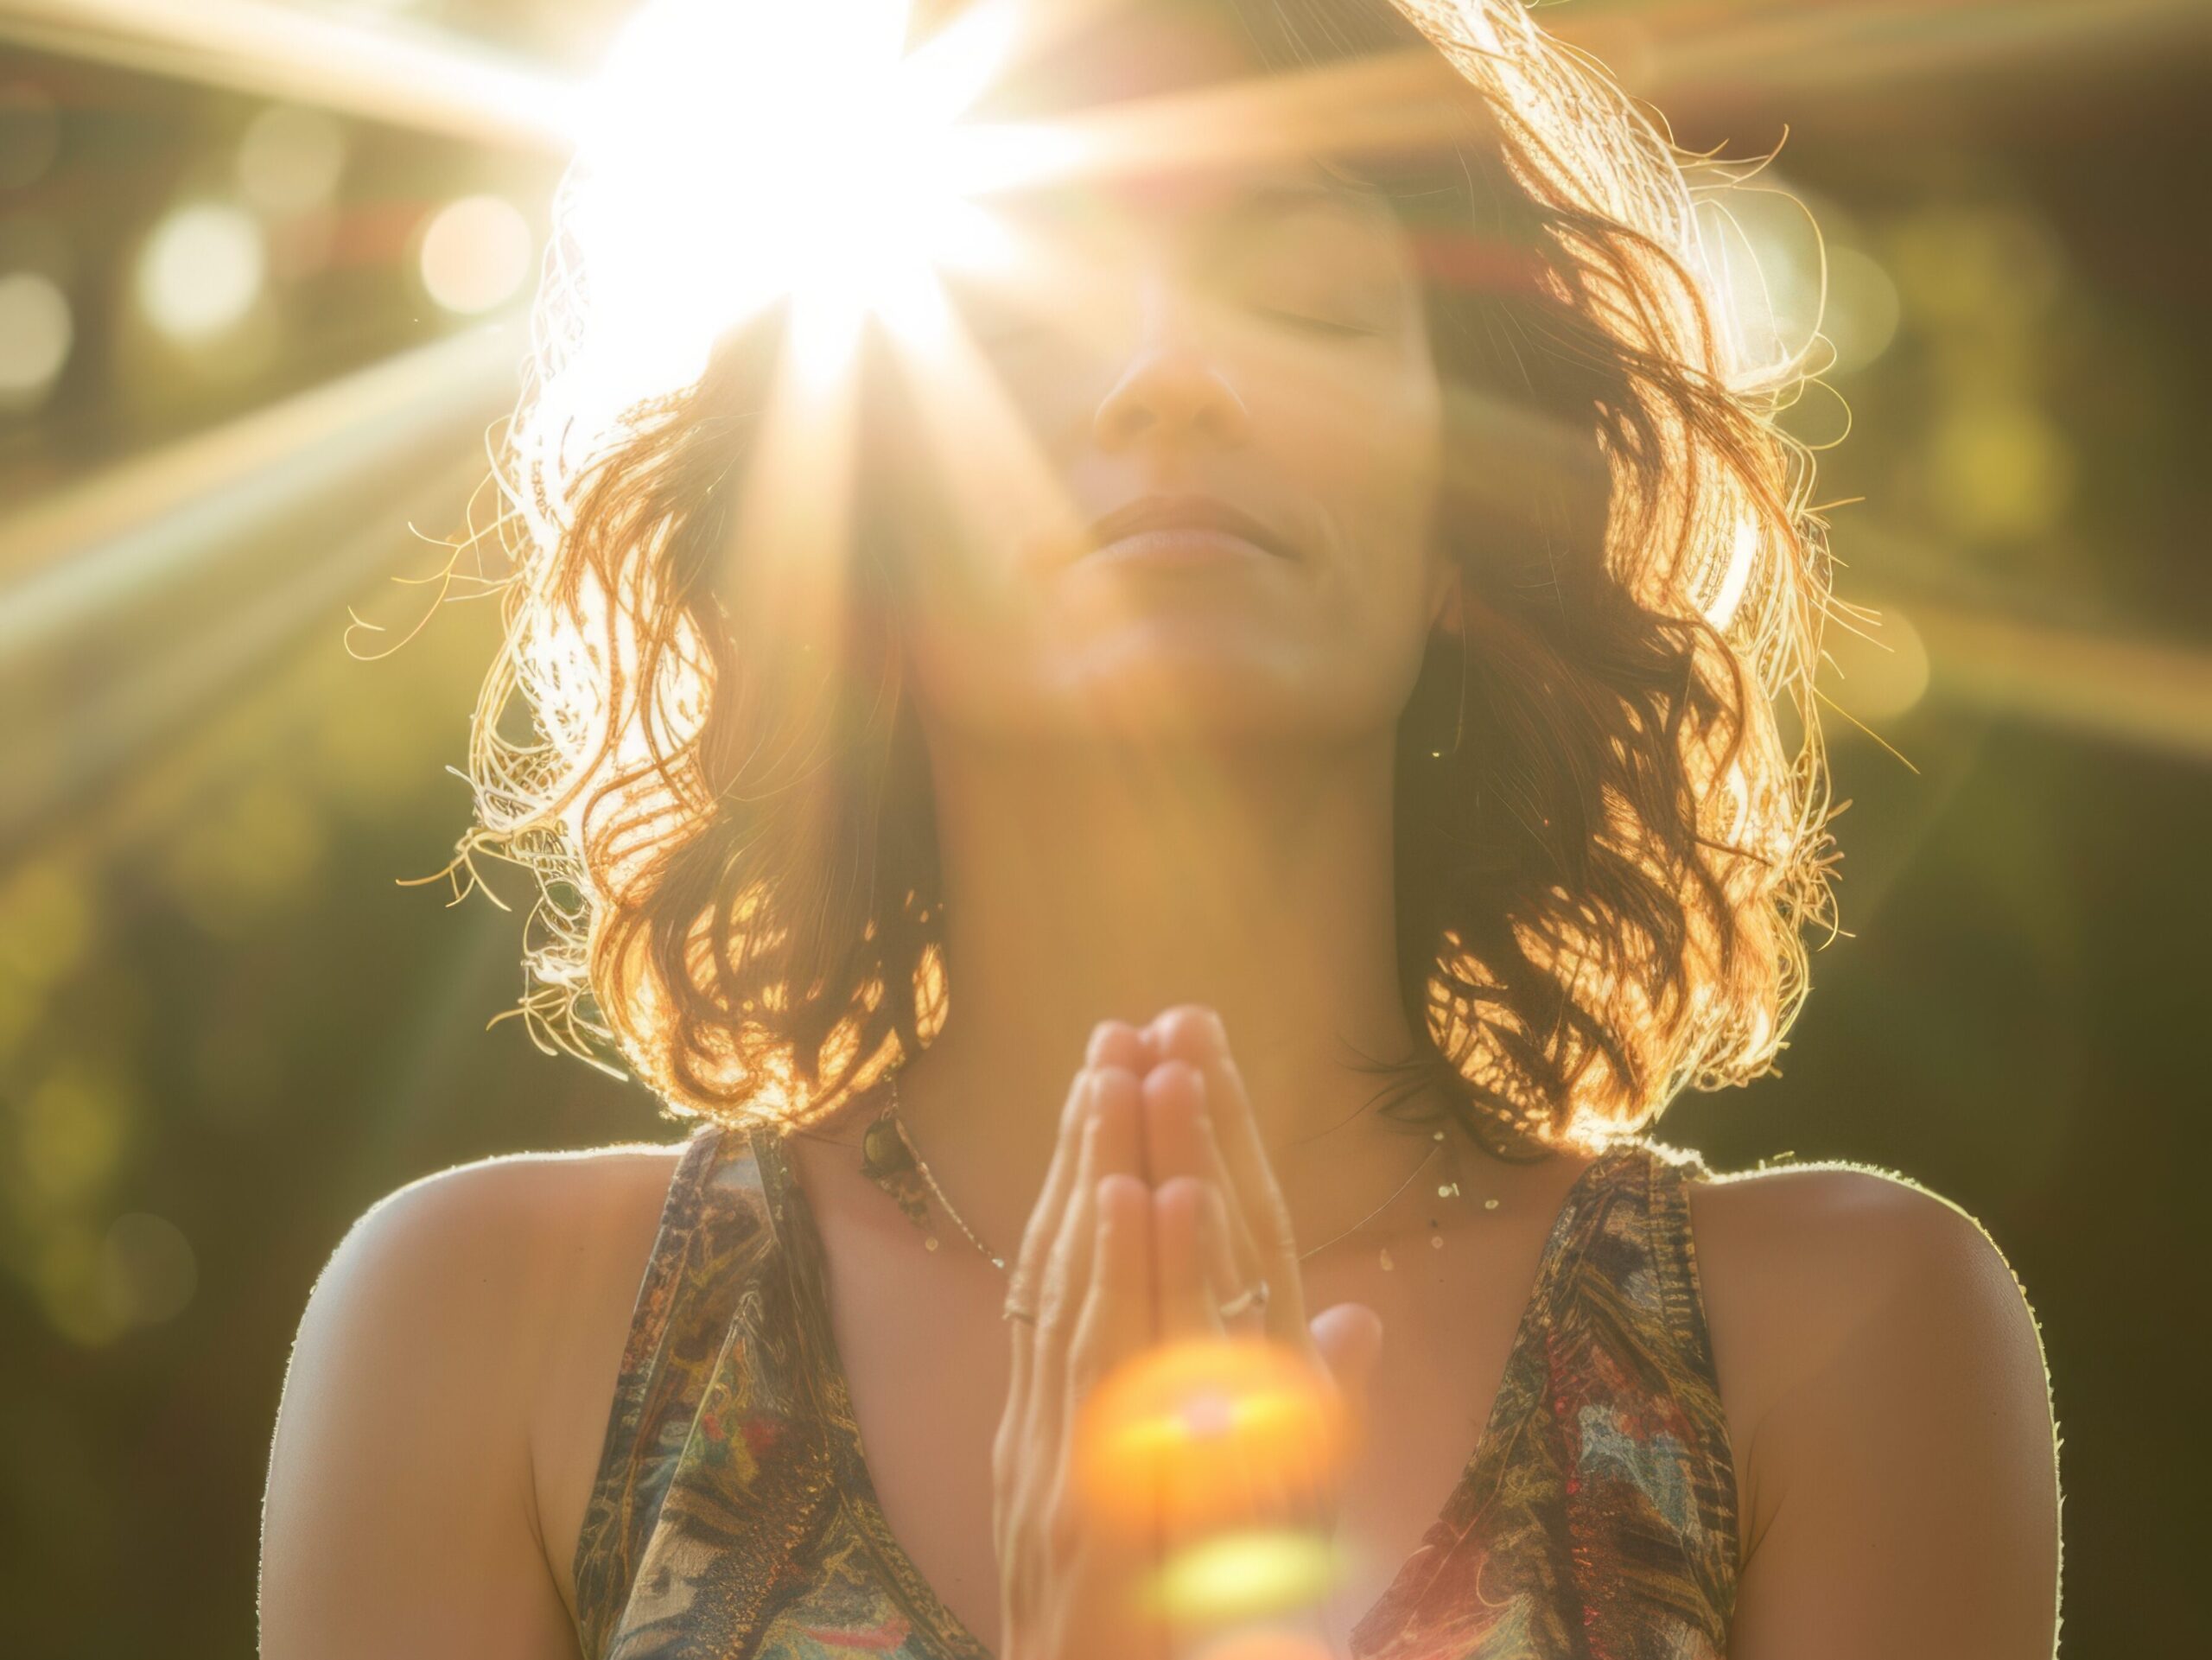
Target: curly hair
pixel 1602 886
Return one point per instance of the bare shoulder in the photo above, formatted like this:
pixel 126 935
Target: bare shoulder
pixel 1870 1332
pixel 452 1313
pixel 1854 1233
pixel 500 1251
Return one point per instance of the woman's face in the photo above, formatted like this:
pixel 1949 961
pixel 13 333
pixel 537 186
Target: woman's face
pixel 1235 358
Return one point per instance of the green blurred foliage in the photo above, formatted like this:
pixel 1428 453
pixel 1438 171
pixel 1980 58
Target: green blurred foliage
pixel 226 1028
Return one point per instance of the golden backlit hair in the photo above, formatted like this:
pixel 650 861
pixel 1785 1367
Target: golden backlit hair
pixel 1604 884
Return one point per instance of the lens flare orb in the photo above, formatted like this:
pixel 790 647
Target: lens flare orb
pixel 1210 1433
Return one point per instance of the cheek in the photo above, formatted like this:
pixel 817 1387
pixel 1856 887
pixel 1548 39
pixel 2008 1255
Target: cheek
pixel 1383 482
pixel 968 622
pixel 1370 448
pixel 1367 453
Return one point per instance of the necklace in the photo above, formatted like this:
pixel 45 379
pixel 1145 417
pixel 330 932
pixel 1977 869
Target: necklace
pixel 890 1159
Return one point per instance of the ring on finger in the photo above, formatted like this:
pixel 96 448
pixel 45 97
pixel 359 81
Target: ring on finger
pixel 1254 1295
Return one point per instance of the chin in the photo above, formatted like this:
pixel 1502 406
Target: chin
pixel 1166 682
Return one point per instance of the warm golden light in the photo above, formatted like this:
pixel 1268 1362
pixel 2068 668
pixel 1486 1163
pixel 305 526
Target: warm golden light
pixel 734 156
pixel 202 270
pixel 1246 1576
pixel 291 159
pixel 1209 1434
pixel 476 254
pixel 36 331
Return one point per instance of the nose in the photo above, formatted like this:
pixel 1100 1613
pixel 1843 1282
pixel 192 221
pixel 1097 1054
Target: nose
pixel 1170 390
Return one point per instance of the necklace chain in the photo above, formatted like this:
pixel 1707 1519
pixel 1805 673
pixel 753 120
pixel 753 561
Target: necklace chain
pixel 922 1168
pixel 929 1180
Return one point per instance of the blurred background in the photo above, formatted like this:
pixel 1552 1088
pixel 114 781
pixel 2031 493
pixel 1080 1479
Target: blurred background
pixel 262 268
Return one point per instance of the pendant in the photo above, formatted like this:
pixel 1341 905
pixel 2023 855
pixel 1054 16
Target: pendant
pixel 887 1160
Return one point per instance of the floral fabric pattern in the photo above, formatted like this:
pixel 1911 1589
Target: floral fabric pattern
pixel 733 1515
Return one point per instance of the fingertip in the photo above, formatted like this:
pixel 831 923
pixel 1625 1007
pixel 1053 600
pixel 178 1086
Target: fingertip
pixel 1122 1200
pixel 1118 1116
pixel 1350 1337
pixel 1194 1031
pixel 1117 1043
pixel 1174 1205
pixel 1114 1088
pixel 1124 1230
pixel 1179 1196
pixel 1173 1075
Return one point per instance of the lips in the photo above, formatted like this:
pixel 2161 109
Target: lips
pixel 1184 514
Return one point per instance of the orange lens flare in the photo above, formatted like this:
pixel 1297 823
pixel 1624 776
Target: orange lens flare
pixel 1209 1434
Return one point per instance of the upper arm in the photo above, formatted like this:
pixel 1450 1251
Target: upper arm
pixel 400 1517
pixel 1909 1446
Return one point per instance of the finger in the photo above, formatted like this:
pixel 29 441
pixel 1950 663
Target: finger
pixel 1110 1147
pixel 1112 1043
pixel 1194 1033
pixel 1043 1227
pixel 1184 1277
pixel 1187 1312
pixel 1117 1043
pixel 1034 1341
pixel 1225 1277
pixel 1182 1142
pixel 1046 1218
pixel 1348 1339
pixel 1116 1321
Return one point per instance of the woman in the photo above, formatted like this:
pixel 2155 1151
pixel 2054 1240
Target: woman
pixel 1340 634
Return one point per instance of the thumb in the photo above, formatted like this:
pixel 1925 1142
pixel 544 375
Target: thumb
pixel 1348 1336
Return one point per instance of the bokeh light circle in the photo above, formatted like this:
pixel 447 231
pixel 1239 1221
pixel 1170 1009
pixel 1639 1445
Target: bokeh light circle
pixel 291 159
pixel 36 332
pixel 476 254
pixel 1882 666
pixel 201 271
pixel 1863 309
pixel 148 1270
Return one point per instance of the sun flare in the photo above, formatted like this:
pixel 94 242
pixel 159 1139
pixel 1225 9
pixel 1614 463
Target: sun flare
pixel 734 156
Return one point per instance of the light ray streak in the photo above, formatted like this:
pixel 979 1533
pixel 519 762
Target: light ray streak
pixel 993 467
pixel 129 530
pixel 2151 694
pixel 1690 54
pixel 1399 100
pixel 169 690
pixel 403 77
pixel 795 511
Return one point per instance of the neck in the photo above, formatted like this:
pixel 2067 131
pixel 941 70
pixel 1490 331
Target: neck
pixel 1113 884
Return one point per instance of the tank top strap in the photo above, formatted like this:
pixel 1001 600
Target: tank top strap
pixel 1635 1387
pixel 1668 1172
pixel 711 1400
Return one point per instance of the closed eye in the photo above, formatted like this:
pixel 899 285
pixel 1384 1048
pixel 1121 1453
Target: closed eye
pixel 1308 322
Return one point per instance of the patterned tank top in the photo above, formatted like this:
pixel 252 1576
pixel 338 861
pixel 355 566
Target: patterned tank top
pixel 733 1515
